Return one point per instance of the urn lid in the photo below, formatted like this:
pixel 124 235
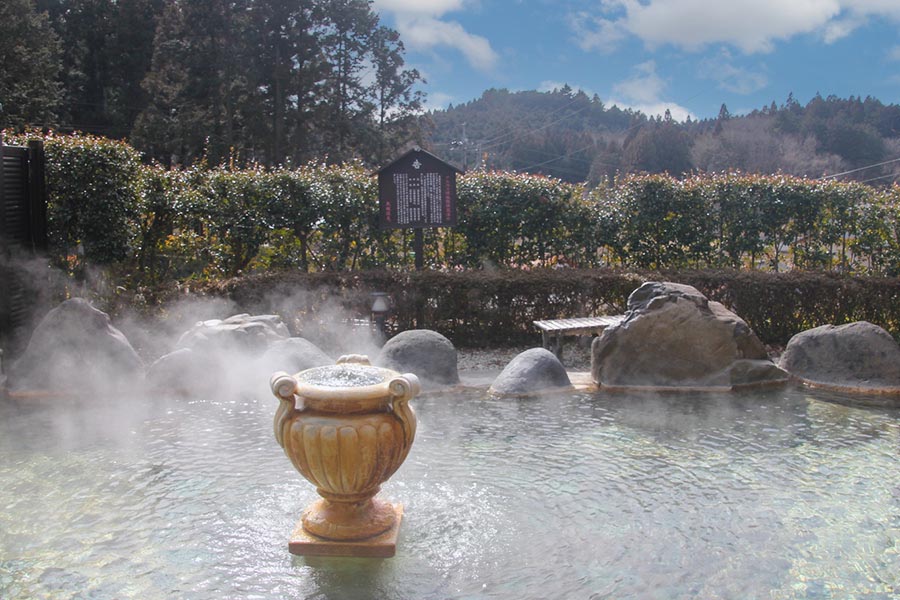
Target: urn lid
pixel 350 386
pixel 346 376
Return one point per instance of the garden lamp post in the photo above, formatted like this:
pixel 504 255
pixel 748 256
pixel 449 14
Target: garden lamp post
pixel 381 306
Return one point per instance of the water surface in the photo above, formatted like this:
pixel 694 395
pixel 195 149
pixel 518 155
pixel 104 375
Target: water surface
pixel 778 494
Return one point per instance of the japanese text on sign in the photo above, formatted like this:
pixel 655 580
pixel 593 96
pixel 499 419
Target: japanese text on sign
pixel 417 190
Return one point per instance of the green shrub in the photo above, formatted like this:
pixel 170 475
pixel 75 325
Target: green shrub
pixel 518 220
pixel 348 205
pixel 875 247
pixel 479 308
pixel 93 185
pixel 659 221
pixel 107 208
pixel 294 209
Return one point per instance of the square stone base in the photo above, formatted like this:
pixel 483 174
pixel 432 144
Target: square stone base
pixel 380 546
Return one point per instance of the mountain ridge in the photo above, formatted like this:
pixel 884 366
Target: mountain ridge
pixel 565 133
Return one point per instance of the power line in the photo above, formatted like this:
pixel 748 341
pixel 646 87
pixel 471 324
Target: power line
pixel 505 138
pixel 877 178
pixel 887 162
pixel 566 155
pixel 531 151
pixel 548 115
pixel 517 135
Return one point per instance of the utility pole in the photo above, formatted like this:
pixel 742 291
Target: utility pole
pixel 465 147
pixel 464 143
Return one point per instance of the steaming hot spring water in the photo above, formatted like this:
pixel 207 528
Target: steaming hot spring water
pixel 778 493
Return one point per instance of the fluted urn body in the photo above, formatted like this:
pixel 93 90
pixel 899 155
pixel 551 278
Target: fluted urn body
pixel 347 428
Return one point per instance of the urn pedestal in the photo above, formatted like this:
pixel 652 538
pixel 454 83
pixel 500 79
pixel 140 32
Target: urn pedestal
pixel 346 428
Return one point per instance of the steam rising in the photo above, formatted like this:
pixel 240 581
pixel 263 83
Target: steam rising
pixel 193 346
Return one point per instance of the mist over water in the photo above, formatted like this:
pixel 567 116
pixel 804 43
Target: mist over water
pixel 159 492
pixel 776 494
pixel 68 362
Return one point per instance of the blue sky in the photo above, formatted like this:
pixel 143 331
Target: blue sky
pixel 689 56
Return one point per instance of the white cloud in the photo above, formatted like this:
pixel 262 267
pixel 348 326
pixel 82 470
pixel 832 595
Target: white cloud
pixel 885 8
pixel 750 25
pixel 729 77
pixel 421 28
pixel 593 33
pixel 425 33
pixel 645 87
pixel 658 109
pixel 437 101
pixel 841 28
pixel 644 92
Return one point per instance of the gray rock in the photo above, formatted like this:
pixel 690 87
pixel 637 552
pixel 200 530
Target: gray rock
pixel 293 355
pixel 75 349
pixel 423 352
pixel 253 334
pixel 673 336
pixel 747 372
pixel 2 377
pixel 208 375
pixel 182 370
pixel 220 356
pixel 532 371
pixel 856 355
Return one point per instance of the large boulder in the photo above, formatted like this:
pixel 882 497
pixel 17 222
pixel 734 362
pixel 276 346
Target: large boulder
pixel 293 355
pixel 220 356
pixel 75 349
pixel 423 352
pixel 530 372
pixel 245 333
pixel 674 337
pixel 183 371
pixel 859 356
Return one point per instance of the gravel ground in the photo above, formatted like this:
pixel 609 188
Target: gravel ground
pixel 576 357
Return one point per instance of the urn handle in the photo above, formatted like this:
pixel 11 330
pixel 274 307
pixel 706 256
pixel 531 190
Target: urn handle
pixel 403 389
pixel 283 386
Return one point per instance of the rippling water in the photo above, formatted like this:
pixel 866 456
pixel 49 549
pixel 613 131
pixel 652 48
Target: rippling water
pixel 346 375
pixel 779 494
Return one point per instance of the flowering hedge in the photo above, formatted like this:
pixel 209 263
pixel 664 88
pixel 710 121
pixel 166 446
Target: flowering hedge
pixel 106 207
pixel 520 220
pixel 94 198
pixel 766 222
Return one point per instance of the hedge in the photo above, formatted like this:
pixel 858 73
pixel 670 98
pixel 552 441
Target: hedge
pixel 107 208
pixel 94 196
pixel 478 308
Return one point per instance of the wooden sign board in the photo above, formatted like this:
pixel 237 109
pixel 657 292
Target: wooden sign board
pixel 417 190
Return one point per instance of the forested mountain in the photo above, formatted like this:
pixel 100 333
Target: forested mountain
pixel 267 81
pixel 566 134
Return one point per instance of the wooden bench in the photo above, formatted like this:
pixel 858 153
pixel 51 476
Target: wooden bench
pixel 553 330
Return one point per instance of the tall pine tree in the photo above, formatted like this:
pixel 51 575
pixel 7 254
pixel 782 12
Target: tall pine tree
pixel 397 104
pixel 346 109
pixel 275 81
pixel 201 92
pixel 30 93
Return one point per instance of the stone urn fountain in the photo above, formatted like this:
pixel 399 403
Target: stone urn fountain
pixel 347 428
